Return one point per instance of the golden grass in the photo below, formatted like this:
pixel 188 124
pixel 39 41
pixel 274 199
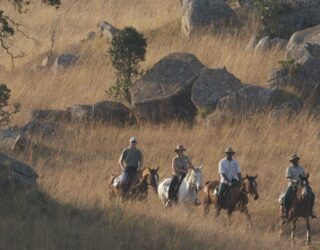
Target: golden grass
pixel 75 213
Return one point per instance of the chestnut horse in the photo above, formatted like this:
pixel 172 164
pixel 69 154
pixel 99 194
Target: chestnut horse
pixel 139 185
pixel 236 200
pixel 301 208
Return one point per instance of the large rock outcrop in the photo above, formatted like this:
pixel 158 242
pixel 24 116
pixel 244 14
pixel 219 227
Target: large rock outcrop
pixel 293 15
pixel 302 68
pixel 252 99
pixel 16 172
pixel 164 92
pixel 211 86
pixel 200 15
pixel 104 112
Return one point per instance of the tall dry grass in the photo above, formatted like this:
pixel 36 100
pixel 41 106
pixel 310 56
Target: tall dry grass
pixel 74 212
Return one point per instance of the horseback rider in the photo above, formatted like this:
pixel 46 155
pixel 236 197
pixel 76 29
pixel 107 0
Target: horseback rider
pixel 230 174
pixel 293 175
pixel 131 161
pixel 180 165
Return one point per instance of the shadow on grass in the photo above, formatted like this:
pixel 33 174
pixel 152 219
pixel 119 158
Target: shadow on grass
pixel 36 221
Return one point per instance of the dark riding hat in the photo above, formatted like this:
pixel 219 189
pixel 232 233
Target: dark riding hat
pixel 229 150
pixel 179 148
pixel 294 157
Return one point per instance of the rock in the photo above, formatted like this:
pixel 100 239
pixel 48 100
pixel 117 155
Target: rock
pixel 295 15
pixel 91 35
pixel 49 114
pixel 164 92
pixel 252 99
pixel 278 43
pixel 200 15
pixel 18 172
pixel 302 66
pixel 46 122
pixel 212 85
pixel 106 30
pixel 65 60
pixel 263 45
pixel 105 112
pixel 12 140
pixel 312 104
pixel 286 109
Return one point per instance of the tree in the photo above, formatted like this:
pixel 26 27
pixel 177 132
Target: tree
pixel 5 114
pixel 128 49
pixel 9 27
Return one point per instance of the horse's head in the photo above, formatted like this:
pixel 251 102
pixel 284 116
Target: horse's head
pixel 303 185
pixel 251 186
pixel 194 178
pixel 153 178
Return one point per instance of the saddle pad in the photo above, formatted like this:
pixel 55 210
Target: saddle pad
pixel 118 180
pixel 281 197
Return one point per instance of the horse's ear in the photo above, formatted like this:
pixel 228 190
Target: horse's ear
pixel 149 169
pixel 157 169
pixel 256 176
pixel 247 176
pixel 307 176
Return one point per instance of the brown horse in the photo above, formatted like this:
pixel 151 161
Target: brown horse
pixel 139 185
pixel 236 200
pixel 301 208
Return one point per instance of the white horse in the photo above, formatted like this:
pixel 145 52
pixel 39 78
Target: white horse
pixel 188 189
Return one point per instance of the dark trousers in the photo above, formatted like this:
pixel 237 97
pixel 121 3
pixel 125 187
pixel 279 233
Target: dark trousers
pixel 174 186
pixel 223 188
pixel 129 173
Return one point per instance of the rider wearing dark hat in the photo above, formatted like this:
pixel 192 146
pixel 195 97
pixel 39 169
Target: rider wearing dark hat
pixel 180 165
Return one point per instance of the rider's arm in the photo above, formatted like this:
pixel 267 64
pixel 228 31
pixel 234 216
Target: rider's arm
pixel 225 177
pixel 239 176
pixel 289 176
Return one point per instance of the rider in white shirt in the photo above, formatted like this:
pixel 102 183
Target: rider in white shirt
pixel 229 171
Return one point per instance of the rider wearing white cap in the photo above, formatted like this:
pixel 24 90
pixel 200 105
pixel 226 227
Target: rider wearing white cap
pixel 131 161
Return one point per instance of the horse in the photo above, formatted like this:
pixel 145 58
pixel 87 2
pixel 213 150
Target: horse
pixel 236 200
pixel 189 187
pixel 139 186
pixel 301 208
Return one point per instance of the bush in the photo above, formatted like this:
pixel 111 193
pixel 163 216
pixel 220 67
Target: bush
pixel 270 12
pixel 128 49
pixel 4 103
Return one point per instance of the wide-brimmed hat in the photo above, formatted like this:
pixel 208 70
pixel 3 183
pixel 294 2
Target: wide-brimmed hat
pixel 133 139
pixel 229 150
pixel 294 157
pixel 179 147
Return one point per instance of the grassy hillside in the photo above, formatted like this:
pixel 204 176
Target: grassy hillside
pixel 74 212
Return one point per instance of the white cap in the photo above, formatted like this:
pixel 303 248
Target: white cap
pixel 133 139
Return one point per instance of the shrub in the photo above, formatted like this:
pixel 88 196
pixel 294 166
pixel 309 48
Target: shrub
pixel 4 103
pixel 128 49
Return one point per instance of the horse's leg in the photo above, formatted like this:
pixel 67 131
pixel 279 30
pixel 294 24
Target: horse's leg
pixel 246 212
pixel 229 217
pixel 293 229
pixel 283 222
pixel 206 206
pixel 308 231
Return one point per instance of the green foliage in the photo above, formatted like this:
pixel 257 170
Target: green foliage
pixel 4 103
pixel 270 11
pixel 127 50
